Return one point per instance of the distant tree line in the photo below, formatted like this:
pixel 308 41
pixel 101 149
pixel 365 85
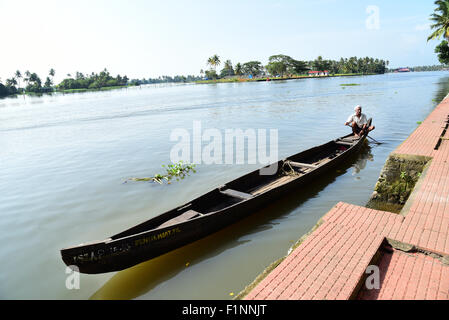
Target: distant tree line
pixel 281 65
pixel 92 81
pixel 164 79
pixel 428 68
pixel 278 66
pixel 32 81
pixel 364 65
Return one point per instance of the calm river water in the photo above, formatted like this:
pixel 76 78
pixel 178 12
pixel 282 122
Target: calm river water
pixel 64 159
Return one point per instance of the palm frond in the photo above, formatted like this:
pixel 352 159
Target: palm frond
pixel 441 21
pixel 436 34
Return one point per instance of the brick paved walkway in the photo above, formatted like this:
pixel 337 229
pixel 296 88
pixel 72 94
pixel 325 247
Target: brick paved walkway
pixel 411 250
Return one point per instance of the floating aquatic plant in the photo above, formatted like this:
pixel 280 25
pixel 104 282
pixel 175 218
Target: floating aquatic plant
pixel 176 171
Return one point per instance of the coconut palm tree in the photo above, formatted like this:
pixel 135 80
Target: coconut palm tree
pixel 17 76
pixel 11 82
pixel 210 62
pixel 441 20
pixel 48 83
pixel 51 73
pixel 228 70
pixel 27 77
pixel 228 64
pixel 214 61
pixel 238 69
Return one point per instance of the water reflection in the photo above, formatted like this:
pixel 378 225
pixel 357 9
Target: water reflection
pixel 138 280
pixel 442 89
pixel 365 156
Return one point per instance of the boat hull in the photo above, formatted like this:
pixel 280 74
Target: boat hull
pixel 146 241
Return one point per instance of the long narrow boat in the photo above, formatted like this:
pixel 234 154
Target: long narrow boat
pixel 209 212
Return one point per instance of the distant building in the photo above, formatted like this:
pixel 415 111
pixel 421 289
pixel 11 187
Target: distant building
pixel 318 73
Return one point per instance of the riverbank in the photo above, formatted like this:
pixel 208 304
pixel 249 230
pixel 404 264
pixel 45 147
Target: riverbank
pixel 409 250
pixel 92 90
pixel 268 78
pixel 82 90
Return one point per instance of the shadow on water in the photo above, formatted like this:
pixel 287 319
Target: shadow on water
pixel 140 279
pixel 442 90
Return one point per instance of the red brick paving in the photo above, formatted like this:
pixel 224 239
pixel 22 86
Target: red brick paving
pixel 410 276
pixel 332 262
pixel 328 260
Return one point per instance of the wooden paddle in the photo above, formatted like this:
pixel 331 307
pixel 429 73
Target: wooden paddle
pixel 374 140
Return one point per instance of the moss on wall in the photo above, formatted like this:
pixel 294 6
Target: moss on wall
pixel 396 182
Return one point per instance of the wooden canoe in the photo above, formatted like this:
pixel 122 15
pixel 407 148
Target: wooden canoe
pixel 209 212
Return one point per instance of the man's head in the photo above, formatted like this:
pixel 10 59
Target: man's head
pixel 358 110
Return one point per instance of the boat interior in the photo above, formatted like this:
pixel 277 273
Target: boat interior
pixel 254 184
pixel 250 185
pixel 292 167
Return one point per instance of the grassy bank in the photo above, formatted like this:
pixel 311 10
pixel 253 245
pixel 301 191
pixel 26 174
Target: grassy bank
pixel 89 90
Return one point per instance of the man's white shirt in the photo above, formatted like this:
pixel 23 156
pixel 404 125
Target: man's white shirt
pixel 360 121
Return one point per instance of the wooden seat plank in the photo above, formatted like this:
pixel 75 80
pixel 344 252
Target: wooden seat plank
pixel 302 165
pixel 189 214
pixel 237 194
pixel 345 143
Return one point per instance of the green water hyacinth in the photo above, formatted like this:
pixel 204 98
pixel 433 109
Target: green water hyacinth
pixel 176 171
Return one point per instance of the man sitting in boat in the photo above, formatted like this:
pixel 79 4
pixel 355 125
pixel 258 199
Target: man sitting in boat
pixel 359 122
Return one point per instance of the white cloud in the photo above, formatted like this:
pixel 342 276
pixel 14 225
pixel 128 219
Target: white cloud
pixel 422 27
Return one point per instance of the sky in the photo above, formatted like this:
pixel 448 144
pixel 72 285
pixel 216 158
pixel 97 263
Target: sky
pixel 146 38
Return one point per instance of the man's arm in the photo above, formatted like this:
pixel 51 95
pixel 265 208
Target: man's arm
pixel 348 121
